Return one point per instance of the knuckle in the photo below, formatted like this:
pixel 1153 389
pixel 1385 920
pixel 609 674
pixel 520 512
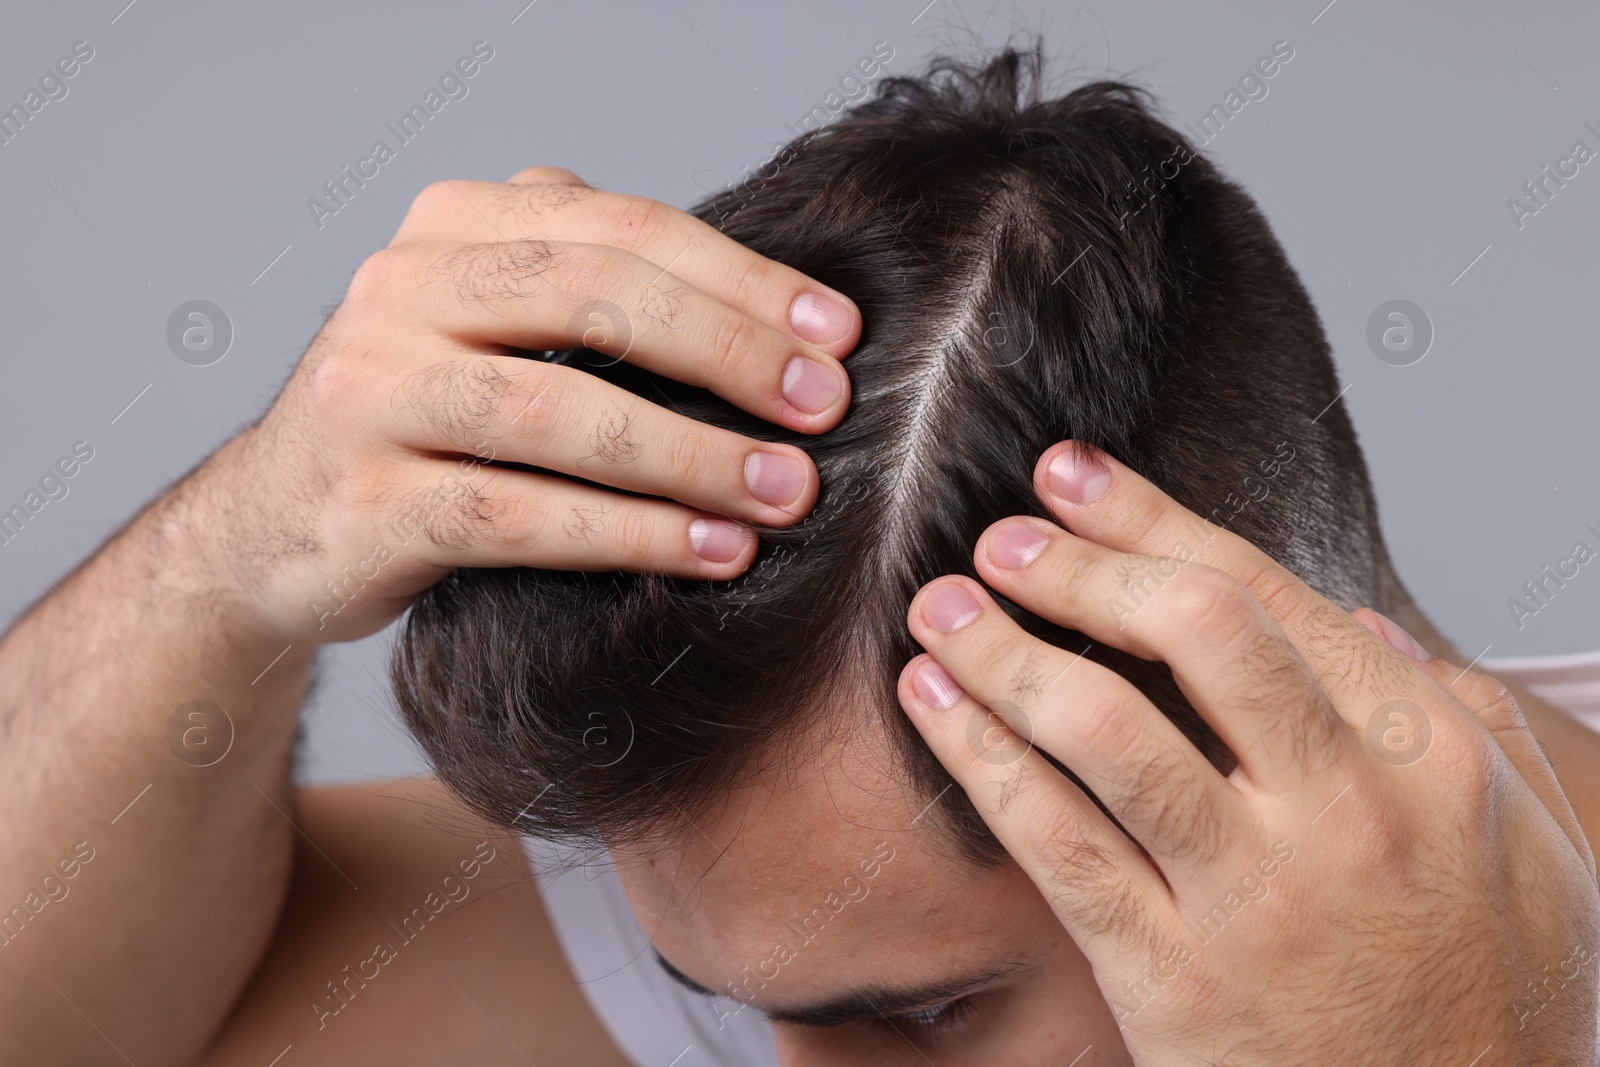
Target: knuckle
pixel 1468 755
pixel 543 174
pixel 435 199
pixel 1490 700
pixel 450 514
pixel 635 533
pixel 1207 600
pixel 992 650
pixel 509 269
pixel 1051 825
pixel 1098 722
pixel 378 276
pixel 539 409
pixel 475 513
pixel 731 345
pixel 686 460
pixel 1276 588
pixel 748 281
pixel 590 272
pixel 1388 845
pixel 1144 518
pixel 1072 573
pixel 461 401
pixel 358 489
pixel 333 381
pixel 519 522
pixel 638 222
pixel 496 270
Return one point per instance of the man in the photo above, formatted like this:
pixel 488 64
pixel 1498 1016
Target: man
pixel 260 914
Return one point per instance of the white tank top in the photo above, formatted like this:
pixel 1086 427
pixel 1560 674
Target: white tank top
pixel 658 1023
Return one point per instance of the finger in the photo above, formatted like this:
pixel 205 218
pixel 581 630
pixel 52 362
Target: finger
pixel 546 176
pixel 1496 707
pixel 694 251
pixel 1102 500
pixel 1392 634
pixel 467 515
pixel 1149 776
pixel 1107 895
pixel 566 420
pixel 541 295
pixel 1230 658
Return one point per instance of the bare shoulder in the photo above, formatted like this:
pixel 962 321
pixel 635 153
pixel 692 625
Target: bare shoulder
pixel 412 934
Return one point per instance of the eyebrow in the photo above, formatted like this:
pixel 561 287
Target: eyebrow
pixel 864 1005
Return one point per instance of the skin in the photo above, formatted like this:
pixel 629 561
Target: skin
pixel 221 900
pixel 924 918
pixel 221 590
pixel 722 905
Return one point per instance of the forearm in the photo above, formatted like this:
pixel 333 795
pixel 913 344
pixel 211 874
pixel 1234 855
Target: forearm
pixel 366 483
pixel 151 937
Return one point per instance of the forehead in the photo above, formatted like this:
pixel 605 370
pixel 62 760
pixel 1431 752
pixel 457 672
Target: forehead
pixel 828 872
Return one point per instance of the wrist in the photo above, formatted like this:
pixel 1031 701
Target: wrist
pixel 198 550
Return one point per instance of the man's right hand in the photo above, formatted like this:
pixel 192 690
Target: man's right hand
pixel 363 485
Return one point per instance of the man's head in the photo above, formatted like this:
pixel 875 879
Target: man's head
pixel 1028 270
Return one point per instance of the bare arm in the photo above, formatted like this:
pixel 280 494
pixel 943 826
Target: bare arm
pixel 120 858
pixel 147 889
pixel 446 926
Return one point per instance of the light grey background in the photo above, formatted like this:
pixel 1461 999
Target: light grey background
pixel 180 163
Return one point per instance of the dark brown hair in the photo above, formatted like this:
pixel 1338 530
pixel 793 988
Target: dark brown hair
pixel 1028 270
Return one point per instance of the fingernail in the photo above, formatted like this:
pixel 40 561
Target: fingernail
pixel 1401 641
pixel 810 386
pixel 1015 545
pixel 948 608
pixel 774 478
pixel 934 686
pixel 1078 479
pixel 717 540
pixel 819 318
